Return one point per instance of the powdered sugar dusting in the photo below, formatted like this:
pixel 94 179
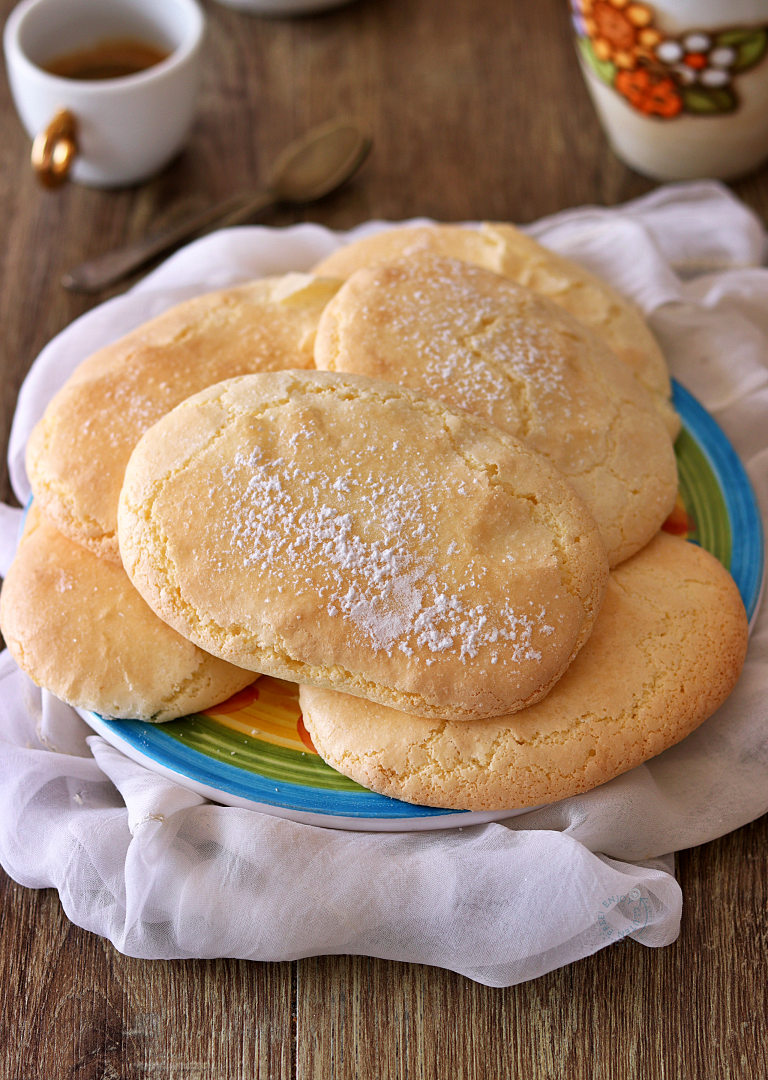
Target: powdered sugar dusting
pixel 368 547
pixel 460 340
pixel 130 409
pixel 64 582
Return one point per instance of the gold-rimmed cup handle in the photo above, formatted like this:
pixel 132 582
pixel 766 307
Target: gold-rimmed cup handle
pixel 55 149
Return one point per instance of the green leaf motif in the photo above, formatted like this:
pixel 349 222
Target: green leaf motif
pixel 750 46
pixel 604 69
pixel 708 100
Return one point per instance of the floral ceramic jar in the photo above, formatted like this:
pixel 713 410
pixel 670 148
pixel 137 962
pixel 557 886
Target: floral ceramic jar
pixel 681 86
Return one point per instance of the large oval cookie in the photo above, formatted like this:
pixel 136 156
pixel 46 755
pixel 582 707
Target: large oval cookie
pixel 665 651
pixel 505 250
pixel 78 627
pixel 77 453
pixel 480 342
pixel 353 534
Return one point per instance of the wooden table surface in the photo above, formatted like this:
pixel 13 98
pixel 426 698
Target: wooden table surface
pixel 477 111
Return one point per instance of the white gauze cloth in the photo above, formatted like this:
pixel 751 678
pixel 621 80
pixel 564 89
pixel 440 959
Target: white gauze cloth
pixel 164 874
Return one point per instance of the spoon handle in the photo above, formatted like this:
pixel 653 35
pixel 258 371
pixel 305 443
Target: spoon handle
pixel 96 274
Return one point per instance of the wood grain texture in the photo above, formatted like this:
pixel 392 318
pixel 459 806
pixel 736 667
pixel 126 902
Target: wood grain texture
pixel 477 111
pixel 74 1007
pixel 628 1011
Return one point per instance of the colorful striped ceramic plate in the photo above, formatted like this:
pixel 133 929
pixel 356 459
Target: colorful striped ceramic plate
pixel 253 750
pixel 716 506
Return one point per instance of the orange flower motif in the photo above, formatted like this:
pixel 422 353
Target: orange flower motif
pixel 613 26
pixel 619 31
pixel 650 93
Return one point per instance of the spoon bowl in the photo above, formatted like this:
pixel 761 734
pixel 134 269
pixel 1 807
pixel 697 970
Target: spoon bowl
pixel 309 168
pixel 315 165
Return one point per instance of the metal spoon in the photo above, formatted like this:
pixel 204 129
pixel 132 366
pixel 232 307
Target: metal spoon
pixel 308 169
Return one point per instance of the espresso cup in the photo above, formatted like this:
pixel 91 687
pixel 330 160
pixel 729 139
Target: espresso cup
pixel 107 132
pixel 680 86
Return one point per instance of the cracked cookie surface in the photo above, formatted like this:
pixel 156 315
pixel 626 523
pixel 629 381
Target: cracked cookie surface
pixel 78 627
pixel 505 250
pixel 77 453
pixel 665 651
pixel 353 534
pixel 480 342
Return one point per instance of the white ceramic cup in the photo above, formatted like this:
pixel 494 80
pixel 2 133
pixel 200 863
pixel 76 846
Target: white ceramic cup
pixel 680 86
pixel 126 128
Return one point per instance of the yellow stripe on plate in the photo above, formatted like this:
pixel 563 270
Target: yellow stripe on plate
pixel 272 717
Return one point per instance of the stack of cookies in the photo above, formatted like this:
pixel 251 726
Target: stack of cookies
pixel 426 483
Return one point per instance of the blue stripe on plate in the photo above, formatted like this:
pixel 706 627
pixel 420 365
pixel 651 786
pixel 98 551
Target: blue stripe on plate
pixel 157 746
pixel 747 548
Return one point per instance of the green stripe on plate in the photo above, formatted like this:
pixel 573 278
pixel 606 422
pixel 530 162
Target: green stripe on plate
pixel 205 735
pixel 703 500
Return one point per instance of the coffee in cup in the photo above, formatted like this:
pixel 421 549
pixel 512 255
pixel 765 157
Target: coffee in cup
pixel 106 88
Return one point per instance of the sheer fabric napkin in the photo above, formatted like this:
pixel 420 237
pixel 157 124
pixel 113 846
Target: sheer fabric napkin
pixel 164 874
